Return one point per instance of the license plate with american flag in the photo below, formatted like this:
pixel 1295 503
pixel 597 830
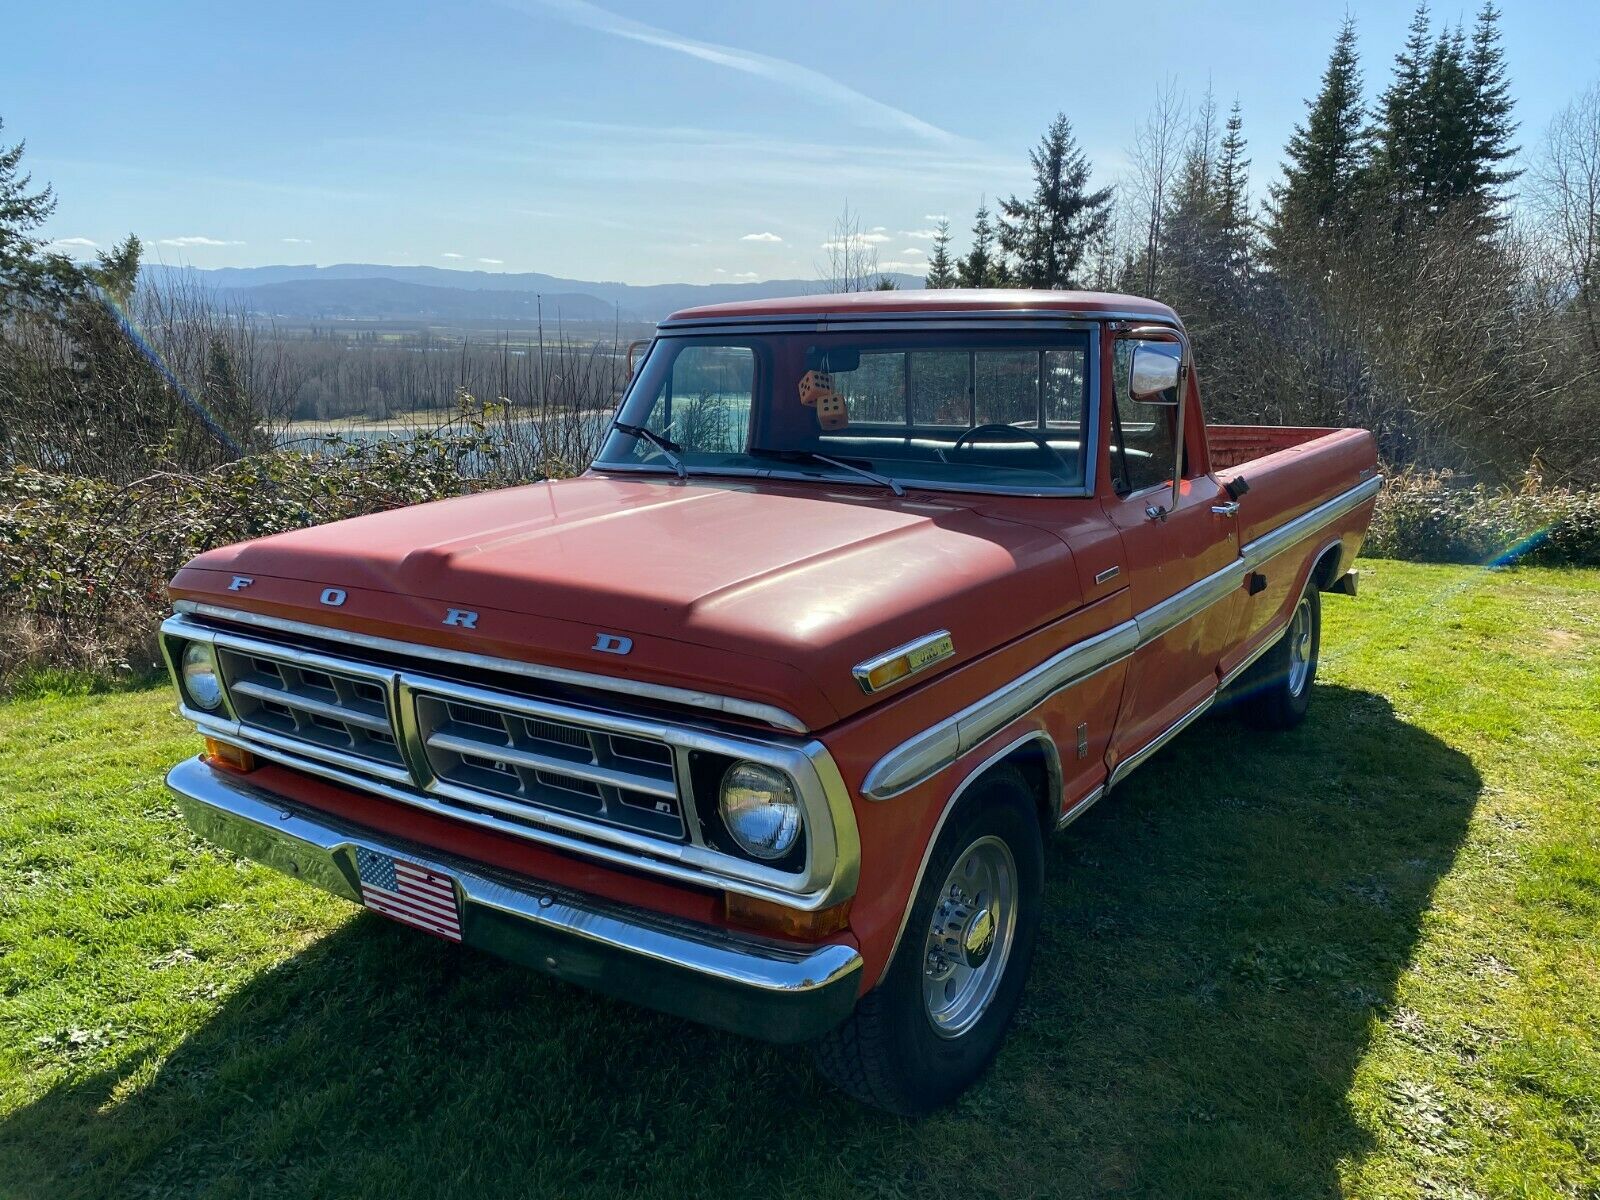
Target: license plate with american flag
pixel 406 892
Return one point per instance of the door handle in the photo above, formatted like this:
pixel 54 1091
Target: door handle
pixel 1226 510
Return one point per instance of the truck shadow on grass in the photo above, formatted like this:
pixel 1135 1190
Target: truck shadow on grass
pixel 1221 937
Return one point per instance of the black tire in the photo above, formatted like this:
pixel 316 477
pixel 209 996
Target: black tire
pixel 890 1054
pixel 1274 693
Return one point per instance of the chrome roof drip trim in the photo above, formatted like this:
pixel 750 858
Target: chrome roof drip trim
pixel 939 319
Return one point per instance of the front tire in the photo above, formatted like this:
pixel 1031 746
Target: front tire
pixel 938 1017
pixel 1276 691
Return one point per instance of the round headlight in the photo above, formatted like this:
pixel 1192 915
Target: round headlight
pixel 200 676
pixel 760 809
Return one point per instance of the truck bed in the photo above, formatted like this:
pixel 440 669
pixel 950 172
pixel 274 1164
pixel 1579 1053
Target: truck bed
pixel 1232 445
pixel 1290 470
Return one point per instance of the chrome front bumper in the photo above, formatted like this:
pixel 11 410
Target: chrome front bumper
pixel 770 990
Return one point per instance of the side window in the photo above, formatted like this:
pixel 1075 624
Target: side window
pixel 1141 434
pixel 704 403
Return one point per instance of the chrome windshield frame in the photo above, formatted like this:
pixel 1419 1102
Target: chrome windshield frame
pixel 978 322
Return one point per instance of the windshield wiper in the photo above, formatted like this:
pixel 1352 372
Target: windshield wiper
pixel 812 456
pixel 668 447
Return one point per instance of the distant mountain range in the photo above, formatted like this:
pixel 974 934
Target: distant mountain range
pixel 369 292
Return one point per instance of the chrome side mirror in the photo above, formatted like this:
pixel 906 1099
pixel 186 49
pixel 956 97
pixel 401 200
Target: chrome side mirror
pixel 1153 374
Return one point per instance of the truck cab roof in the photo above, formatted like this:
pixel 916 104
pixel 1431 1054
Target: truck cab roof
pixel 986 301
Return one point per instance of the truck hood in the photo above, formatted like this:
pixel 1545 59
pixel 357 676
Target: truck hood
pixel 768 592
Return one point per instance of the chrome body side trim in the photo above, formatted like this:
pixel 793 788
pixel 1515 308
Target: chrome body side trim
pixel 921 757
pixel 949 807
pixel 832 862
pixel 1081 807
pixel 712 702
pixel 1286 535
pixel 751 985
pixel 935 748
pixel 1127 766
pixel 923 652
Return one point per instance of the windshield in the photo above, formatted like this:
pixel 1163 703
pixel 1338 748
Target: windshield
pixel 992 410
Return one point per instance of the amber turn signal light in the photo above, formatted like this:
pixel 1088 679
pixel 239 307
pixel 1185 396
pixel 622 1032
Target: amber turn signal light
pixel 779 918
pixel 228 758
pixel 878 673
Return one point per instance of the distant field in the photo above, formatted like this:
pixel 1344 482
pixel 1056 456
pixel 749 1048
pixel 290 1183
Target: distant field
pixel 1359 959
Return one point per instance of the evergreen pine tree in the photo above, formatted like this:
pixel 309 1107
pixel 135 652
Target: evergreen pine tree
pixel 1396 170
pixel 1488 118
pixel 1232 194
pixel 1445 144
pixel 981 268
pixel 941 268
pixel 1315 204
pixel 1046 236
pixel 28 275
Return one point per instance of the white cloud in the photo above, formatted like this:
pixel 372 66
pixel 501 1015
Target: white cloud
pixel 493 262
pixel 298 241
pixel 860 241
pixel 761 237
pixel 451 254
pixel 876 237
pixel 877 229
pixel 897 265
pixel 746 275
pixel 73 243
pixel 196 240
pixel 934 217
pixel 807 80
pixel 720 270
pixel 922 235
pixel 914 252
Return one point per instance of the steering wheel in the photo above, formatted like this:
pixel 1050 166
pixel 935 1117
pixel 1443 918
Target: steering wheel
pixel 1014 432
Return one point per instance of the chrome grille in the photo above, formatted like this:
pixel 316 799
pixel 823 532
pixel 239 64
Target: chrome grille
pixel 468 748
pixel 573 774
pixel 498 747
pixel 340 712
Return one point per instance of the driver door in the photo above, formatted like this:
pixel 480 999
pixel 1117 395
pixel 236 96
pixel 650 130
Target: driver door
pixel 1168 546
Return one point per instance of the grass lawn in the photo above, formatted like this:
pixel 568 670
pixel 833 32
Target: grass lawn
pixel 1362 958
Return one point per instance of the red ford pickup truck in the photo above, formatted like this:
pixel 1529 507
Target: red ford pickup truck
pixel 763 719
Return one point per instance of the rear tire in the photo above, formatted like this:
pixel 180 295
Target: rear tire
pixel 1276 691
pixel 940 1013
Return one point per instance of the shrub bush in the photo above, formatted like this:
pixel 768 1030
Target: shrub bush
pixel 1430 517
pixel 84 563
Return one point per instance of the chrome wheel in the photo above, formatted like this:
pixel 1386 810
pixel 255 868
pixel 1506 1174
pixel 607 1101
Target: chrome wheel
pixel 969 939
pixel 1300 630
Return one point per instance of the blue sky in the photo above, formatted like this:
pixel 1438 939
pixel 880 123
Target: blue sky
pixel 641 142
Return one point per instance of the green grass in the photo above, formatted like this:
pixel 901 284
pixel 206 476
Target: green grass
pixel 1362 958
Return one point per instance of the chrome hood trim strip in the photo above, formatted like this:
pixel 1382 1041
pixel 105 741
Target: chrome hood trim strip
pixel 731 706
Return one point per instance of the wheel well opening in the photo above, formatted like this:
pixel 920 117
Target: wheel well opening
pixel 1326 571
pixel 1035 761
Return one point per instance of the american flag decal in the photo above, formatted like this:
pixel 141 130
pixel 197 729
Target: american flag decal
pixel 408 893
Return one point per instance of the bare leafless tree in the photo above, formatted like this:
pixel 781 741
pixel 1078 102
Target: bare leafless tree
pixel 1565 197
pixel 1156 151
pixel 852 262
